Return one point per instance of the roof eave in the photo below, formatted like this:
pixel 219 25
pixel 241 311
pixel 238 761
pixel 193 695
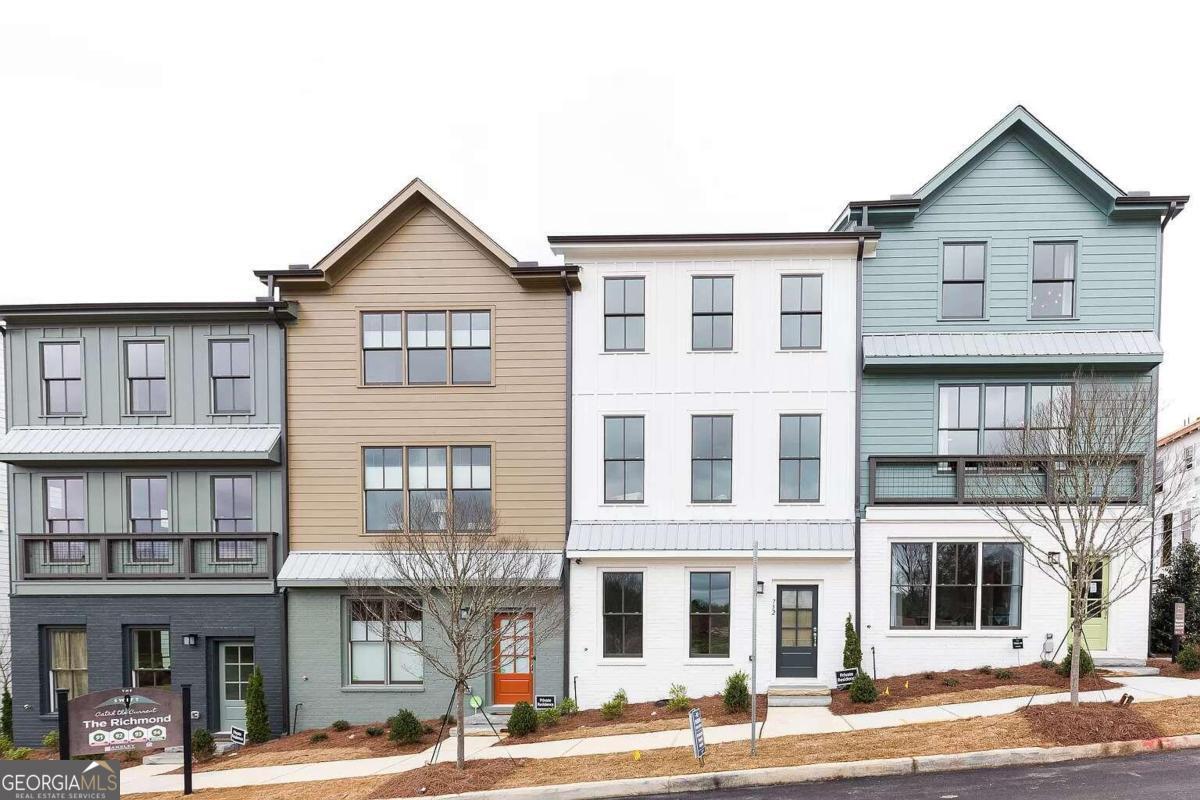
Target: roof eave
pixel 113 312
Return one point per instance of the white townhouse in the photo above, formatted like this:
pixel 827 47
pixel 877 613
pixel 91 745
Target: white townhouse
pixel 1177 490
pixel 712 408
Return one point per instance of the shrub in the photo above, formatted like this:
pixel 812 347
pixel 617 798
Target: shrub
pixel 950 681
pixel 852 651
pixel 615 707
pixel 985 670
pixel 373 731
pixel 319 736
pixel 204 746
pixel 6 714
pixel 678 698
pixel 50 740
pixel 737 693
pixel 1188 659
pixel 863 690
pixel 928 676
pixel 1180 581
pixel 1086 665
pixel 258 730
pixel 548 717
pixel 1003 674
pixel 18 753
pixel 5 744
pixel 524 720
pixel 447 719
pixel 404 727
pixel 425 728
pixel 340 725
pixel 568 707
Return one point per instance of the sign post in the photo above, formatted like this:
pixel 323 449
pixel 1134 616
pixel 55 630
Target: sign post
pixel 1177 633
pixel 753 652
pixel 64 729
pixel 186 692
pixel 698 747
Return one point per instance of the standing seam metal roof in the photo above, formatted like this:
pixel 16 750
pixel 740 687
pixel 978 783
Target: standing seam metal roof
pixel 139 440
pixel 1015 343
pixel 721 536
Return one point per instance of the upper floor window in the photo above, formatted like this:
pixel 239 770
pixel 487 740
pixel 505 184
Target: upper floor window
pixel 1189 457
pixel 624 314
pixel 799 457
pixel 800 312
pixel 470 346
pixel 624 459
pixel 414 343
pixel 146 376
pixel 62 378
pixel 443 484
pixel 427 347
pixel 383 486
pixel 230 366
pixel 65 505
pixel 148 505
pixel 712 459
pixel 1053 293
pixel 471 488
pixel 427 488
pixel 963 280
pixel 958 420
pixel 1168 539
pixel 1007 410
pixel 233 509
pixel 383 348
pixel 712 313
pixel 1003 416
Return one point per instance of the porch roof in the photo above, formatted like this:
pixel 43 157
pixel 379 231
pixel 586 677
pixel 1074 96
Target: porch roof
pixel 774 538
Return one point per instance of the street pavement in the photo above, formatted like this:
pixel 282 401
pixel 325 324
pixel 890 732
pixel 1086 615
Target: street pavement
pixel 1155 776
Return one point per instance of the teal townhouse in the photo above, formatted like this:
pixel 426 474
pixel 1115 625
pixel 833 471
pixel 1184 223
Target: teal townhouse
pixel 1016 276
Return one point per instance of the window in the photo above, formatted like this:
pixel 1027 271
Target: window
pixel 146 376
pixel 232 504
pixel 1053 292
pixel 1000 595
pixel 1051 407
pixel 963 280
pixel 231 376
pixel 427 347
pixel 148 551
pixel 624 464
pixel 471 477
pixel 383 348
pixel 800 321
pixel 712 313
pixel 958 420
pixel 471 346
pixel 65 502
pixel 799 457
pixel 1158 475
pixel 1189 457
pixel 956 571
pixel 383 487
pixel 624 314
pixel 1185 525
pixel 712 459
pixel 708 615
pixel 1003 417
pixel 68 660
pixel 150 649
pixel 148 505
pixel 62 378
pixel 911 578
pixel 67 552
pixel 427 488
pixel 383 635
pixel 236 550
pixel 1168 533
pixel 622 614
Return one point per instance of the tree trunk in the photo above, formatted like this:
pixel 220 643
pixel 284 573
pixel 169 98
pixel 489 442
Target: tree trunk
pixel 1076 647
pixel 460 708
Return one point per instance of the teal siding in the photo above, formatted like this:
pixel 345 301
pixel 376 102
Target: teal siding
pixel 1010 198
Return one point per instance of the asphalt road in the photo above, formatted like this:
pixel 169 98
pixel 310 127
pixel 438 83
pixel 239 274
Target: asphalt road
pixel 1156 776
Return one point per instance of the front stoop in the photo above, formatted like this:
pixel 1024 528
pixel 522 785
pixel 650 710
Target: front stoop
pixel 1133 667
pixel 798 694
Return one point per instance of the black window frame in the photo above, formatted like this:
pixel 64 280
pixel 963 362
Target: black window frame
pixel 801 312
pixel 962 279
pixel 956 568
pixel 711 314
pixel 958 426
pixel 712 459
pixel 49 382
pixel 397 349
pixel 46 638
pixel 1072 281
pixel 623 614
pixel 697 610
pixel 799 458
pixel 625 459
pixel 911 584
pixel 133 381
pixel 134 669
pixel 471 346
pixel 1006 428
pixel 624 314
pixel 1029 388
pixel 238 527
pixel 233 378
pixel 1015 585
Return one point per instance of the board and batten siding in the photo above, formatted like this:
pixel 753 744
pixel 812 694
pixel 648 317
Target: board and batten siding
pixel 426 264
pixel 1008 200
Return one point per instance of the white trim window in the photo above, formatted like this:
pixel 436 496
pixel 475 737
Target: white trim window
pixel 380 637
pixel 956 585
pixel 708 614
pixel 67 662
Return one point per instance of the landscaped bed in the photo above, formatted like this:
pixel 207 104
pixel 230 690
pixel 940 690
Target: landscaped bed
pixel 1169 669
pixel 965 686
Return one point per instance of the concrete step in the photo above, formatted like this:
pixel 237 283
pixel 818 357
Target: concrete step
pixel 1132 672
pixel 477 725
pixel 1119 662
pixel 172 755
pixel 798 694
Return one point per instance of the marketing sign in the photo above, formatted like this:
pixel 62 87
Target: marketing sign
pixel 697 734
pixel 1180 615
pixel 125 719
pixel 60 780
pixel 845 677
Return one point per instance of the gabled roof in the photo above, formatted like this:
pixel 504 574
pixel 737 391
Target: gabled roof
pixel 1174 436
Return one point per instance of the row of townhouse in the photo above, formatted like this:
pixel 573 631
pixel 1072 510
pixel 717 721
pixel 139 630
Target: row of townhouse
pixel 192 485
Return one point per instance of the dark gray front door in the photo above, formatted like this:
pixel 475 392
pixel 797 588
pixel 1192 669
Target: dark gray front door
pixel 796 632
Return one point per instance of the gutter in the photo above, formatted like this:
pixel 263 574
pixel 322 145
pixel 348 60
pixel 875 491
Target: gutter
pixel 857 460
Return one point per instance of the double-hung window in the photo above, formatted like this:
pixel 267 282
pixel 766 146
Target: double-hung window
pixel 963 280
pixel 624 459
pixel 624 314
pixel 957 564
pixel 427 488
pixel 1053 289
pixel 383 348
pixel 799 457
pixel 65 503
pixel 383 636
pixel 712 459
pixel 1051 407
pixel 800 313
pixel 146 377
pixel 470 346
pixel 233 510
pixel 62 378
pixel 383 488
pixel 230 369
pixel 1168 537
pixel 958 420
pixel 622 612
pixel 708 615
pixel 1000 592
pixel 150 652
pixel 911 584
pixel 426 347
pixel 712 313
pixel 148 510
pixel 67 657
pixel 471 486
pixel 1003 418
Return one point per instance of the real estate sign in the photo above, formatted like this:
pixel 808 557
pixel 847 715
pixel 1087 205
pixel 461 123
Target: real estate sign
pixel 124 719
pixel 698 748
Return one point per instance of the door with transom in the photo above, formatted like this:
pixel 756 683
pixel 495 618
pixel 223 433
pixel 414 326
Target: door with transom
pixel 796 631
pixel 512 675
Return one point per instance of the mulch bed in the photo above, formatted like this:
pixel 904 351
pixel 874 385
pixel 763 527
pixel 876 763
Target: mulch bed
pixel 654 716
pixel 1089 723
pixel 945 685
pixel 439 779
pixel 1167 669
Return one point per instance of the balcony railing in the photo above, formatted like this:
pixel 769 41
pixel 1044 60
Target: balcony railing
pixel 147 556
pixel 974 480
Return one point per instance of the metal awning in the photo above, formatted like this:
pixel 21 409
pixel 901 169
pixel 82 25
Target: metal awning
pixel 773 538
pixel 245 443
pixel 333 568
pixel 1067 347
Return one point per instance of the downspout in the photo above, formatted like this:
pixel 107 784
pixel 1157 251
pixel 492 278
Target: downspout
pixel 284 516
pixel 566 581
pixel 1172 211
pixel 858 361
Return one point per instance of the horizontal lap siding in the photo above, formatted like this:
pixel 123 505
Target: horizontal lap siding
pixel 427 264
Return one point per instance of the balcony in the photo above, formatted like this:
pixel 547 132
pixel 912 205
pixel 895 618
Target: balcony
pixel 976 480
pixel 146 556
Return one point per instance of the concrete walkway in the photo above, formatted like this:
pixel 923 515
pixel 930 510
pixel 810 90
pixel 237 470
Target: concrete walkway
pixel 780 722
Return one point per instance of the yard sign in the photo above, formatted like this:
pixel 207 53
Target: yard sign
pixel 697 734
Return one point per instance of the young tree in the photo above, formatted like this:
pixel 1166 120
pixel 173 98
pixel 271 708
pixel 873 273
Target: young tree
pixel 852 651
pixel 1180 581
pixel 471 586
pixel 1073 486
pixel 258 729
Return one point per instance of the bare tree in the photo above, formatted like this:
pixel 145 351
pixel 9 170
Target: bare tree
pixel 469 587
pixel 1071 484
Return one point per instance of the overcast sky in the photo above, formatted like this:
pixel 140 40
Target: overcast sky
pixel 160 151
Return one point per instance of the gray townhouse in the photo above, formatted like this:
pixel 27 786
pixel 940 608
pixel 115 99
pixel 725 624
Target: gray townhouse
pixel 147 503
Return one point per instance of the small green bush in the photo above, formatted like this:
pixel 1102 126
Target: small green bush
pixel 319 736
pixel 50 740
pixel 18 753
pixel 5 744
pixel 852 650
pixel 567 707
pixel 985 670
pixel 447 719
pixel 340 725
pixel 258 728
pixel 1003 674
pixel 204 746
pixel 1188 659
pixel 737 693
pixel 548 717
pixel 404 727
pixel 6 714
pixel 950 681
pixel 928 676
pixel 616 707
pixel 863 690
pixel 1046 663
pixel 1086 665
pixel 524 720
pixel 373 731
pixel 678 699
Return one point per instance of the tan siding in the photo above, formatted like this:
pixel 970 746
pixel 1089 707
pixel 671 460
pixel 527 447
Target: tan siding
pixel 427 263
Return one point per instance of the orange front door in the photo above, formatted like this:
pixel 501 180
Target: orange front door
pixel 512 675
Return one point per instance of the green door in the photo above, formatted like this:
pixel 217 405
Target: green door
pixel 1095 626
pixel 236 664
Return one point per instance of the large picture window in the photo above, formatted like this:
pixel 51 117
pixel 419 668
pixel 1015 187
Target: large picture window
pixel 712 313
pixel 799 457
pixel 62 378
pixel 712 459
pixel 1005 410
pixel 624 459
pixel 911 584
pixel 624 314
pixel 146 377
pixel 622 614
pixel 150 651
pixel 381 642
pixel 1053 289
pixel 445 485
pixel 800 312
pixel 67 657
pixel 961 572
pixel 708 615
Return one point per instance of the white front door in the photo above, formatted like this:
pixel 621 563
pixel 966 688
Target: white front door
pixel 236 664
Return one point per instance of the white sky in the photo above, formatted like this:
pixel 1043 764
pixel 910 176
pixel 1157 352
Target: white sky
pixel 160 151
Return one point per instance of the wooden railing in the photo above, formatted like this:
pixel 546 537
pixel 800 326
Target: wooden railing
pixel 175 556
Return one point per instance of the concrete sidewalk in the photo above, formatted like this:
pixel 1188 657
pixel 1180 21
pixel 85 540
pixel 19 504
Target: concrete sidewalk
pixel 780 722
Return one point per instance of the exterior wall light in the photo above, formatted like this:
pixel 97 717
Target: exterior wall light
pixel 758 587
pixel 190 639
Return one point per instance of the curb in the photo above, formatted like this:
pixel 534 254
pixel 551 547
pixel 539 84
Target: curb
pixel 768 776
